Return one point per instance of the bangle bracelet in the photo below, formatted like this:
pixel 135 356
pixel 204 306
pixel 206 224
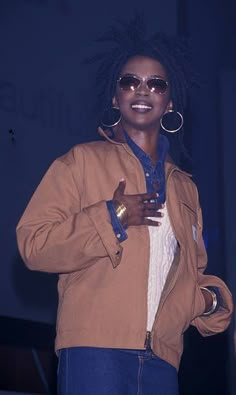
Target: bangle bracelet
pixel 214 301
pixel 121 212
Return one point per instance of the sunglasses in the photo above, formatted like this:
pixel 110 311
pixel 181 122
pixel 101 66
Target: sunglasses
pixel 132 82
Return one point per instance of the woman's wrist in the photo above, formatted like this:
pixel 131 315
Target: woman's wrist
pixel 210 301
pixel 121 212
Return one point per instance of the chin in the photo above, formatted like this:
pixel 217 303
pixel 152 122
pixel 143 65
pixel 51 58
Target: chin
pixel 144 127
pixel 141 124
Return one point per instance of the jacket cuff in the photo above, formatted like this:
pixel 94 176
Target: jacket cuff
pixel 99 216
pixel 216 322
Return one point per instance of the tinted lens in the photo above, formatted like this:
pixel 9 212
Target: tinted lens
pixel 157 85
pixel 129 83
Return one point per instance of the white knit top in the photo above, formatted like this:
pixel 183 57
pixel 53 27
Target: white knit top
pixel 162 250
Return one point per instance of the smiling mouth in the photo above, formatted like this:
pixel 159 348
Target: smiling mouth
pixel 141 107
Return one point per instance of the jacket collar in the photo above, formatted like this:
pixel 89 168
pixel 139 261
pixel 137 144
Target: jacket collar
pixel 118 138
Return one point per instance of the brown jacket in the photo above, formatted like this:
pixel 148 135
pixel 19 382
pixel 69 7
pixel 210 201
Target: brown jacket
pixel 102 286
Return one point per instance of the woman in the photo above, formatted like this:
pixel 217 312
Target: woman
pixel 121 224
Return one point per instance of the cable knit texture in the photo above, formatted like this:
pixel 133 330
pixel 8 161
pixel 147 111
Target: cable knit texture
pixel 162 250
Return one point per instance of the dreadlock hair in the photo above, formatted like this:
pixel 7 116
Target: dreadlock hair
pixel 128 40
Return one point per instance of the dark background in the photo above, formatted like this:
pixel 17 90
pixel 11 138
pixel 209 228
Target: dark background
pixel 46 97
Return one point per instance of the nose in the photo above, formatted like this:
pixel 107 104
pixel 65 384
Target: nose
pixel 142 89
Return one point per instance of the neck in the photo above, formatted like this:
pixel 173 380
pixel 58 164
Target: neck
pixel 146 140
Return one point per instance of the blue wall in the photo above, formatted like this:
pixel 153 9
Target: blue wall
pixel 46 97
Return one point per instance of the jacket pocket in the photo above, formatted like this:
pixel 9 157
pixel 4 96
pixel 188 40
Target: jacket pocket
pixel 190 221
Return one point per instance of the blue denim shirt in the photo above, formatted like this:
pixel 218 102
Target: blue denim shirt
pixel 154 176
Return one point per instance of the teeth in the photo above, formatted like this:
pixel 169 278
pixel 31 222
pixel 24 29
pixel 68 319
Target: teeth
pixel 142 106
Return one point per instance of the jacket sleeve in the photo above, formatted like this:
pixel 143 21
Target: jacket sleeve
pixel 220 320
pixel 56 235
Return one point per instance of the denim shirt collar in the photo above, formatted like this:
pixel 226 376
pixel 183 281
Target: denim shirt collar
pixel 145 159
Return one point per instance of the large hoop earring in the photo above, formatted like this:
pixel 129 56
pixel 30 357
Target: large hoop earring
pixel 111 117
pixel 167 114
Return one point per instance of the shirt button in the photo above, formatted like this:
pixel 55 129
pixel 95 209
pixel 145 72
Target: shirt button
pixel 147 174
pixel 118 235
pixel 117 253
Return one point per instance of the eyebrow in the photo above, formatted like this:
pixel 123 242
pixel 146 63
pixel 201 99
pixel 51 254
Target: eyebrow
pixel 150 76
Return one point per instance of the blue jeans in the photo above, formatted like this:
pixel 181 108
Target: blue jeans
pixel 105 371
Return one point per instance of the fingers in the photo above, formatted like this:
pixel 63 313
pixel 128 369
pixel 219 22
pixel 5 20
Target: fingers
pixel 148 196
pixel 141 198
pixel 152 206
pixel 152 209
pixel 152 213
pixel 149 222
pixel 120 189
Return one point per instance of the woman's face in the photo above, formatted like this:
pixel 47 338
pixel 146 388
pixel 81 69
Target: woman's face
pixel 142 109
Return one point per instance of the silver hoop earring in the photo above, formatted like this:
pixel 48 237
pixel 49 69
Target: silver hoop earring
pixel 111 117
pixel 172 115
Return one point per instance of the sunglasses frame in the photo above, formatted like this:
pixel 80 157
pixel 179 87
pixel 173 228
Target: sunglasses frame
pixel 133 89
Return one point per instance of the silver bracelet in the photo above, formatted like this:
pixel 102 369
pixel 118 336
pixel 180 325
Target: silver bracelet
pixel 214 301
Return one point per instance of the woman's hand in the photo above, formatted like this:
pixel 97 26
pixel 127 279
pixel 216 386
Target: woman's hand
pixel 139 207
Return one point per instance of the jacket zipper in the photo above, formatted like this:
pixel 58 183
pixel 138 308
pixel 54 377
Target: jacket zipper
pixel 148 337
pixel 147 342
